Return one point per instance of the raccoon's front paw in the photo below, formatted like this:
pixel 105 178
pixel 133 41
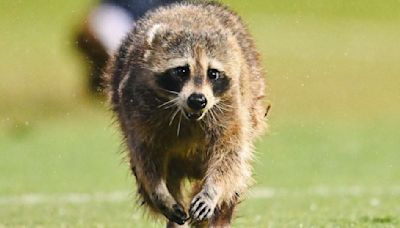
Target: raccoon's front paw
pixel 175 213
pixel 202 207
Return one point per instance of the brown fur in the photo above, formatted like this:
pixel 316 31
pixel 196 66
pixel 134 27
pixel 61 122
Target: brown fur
pixel 215 152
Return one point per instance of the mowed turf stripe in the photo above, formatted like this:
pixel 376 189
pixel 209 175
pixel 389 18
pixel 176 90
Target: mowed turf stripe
pixel 256 193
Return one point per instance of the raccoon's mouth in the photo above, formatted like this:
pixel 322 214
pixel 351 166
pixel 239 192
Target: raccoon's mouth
pixel 194 115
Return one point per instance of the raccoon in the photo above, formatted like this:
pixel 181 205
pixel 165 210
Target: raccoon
pixel 187 88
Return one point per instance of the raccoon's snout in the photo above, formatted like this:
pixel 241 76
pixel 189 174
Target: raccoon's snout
pixel 197 101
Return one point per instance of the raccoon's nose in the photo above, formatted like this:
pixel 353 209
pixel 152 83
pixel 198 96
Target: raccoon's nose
pixel 197 101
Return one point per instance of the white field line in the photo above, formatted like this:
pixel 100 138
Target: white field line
pixel 72 198
pixel 324 191
pixel 255 193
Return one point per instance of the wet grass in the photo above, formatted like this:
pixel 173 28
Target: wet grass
pixel 307 176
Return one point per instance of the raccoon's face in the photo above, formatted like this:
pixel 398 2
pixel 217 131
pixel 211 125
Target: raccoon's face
pixel 194 93
pixel 192 71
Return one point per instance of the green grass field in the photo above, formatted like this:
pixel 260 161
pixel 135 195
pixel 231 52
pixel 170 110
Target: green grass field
pixel 330 159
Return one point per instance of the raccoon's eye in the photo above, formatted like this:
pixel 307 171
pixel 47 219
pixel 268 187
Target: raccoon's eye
pixel 180 72
pixel 213 74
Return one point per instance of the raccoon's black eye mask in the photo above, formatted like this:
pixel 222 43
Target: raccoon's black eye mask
pixel 173 79
pixel 220 82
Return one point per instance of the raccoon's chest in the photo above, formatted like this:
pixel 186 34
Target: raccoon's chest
pixel 189 158
pixel 186 144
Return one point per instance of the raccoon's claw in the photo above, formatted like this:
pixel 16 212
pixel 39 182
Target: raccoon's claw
pixel 178 215
pixel 201 208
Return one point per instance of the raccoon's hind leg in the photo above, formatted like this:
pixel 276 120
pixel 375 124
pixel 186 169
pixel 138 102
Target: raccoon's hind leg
pixel 171 224
pixel 223 216
pixel 148 165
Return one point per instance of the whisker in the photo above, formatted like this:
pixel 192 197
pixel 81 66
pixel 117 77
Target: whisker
pixel 220 123
pixel 221 110
pixel 170 91
pixel 168 102
pixel 170 106
pixel 179 124
pixel 216 115
pixel 212 115
pixel 225 105
pixel 173 116
pixel 209 117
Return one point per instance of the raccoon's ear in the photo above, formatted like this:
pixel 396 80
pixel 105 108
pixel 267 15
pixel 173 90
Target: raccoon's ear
pixel 154 31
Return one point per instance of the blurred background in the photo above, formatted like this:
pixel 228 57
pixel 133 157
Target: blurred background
pixel 330 159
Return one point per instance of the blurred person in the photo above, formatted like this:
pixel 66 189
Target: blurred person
pixel 105 27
